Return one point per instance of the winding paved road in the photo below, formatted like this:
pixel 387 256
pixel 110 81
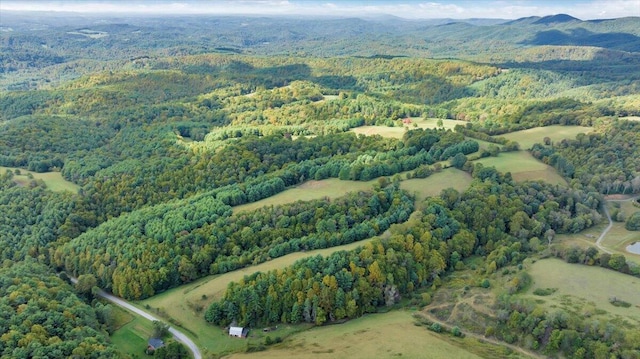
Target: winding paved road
pixel 178 335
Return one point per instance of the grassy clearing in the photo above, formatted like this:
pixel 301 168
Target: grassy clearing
pixel 384 131
pixel 484 144
pixel 132 338
pixel 398 132
pixel 631 118
pixel 53 180
pixel 433 123
pixel 186 304
pixel 584 239
pixel 584 289
pixel 121 316
pixel 388 335
pixel 523 167
pixel 527 138
pixel 434 184
pixel 618 238
pixel 332 188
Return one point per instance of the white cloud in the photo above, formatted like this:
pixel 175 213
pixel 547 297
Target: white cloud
pixel 584 9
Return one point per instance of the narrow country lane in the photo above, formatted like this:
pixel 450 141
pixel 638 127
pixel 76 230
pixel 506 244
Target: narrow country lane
pixel 178 335
pixel 482 338
pixel 606 230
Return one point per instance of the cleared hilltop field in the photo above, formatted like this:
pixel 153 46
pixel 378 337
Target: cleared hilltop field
pixel 53 180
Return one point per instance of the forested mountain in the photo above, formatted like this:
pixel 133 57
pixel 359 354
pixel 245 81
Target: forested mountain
pixel 70 46
pixel 165 124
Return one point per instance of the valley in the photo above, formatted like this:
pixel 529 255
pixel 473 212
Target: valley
pixel 340 187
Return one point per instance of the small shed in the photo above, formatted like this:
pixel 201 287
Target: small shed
pixel 239 332
pixel 406 121
pixel 154 343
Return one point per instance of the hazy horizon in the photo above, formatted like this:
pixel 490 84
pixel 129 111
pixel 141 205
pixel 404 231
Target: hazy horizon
pixel 455 9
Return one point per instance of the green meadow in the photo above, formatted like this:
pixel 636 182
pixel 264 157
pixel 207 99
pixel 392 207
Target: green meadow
pixel 586 290
pixel 434 184
pixel 132 337
pixel 386 335
pixel 523 166
pixel 309 190
pixel 527 138
pixel 53 180
pixel 618 237
pixel 398 131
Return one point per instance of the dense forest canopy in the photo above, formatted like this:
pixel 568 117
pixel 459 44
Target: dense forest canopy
pixel 41 316
pixel 166 124
pixel 447 230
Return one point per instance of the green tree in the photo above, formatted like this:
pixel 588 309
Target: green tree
pixel 633 222
pixel 459 160
pixel 85 283
pixel 173 350
pixel 160 329
pixel 617 262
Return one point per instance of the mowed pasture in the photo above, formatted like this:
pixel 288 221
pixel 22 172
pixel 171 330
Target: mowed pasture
pixel 527 138
pixel 53 180
pixel 584 288
pixel 433 123
pixel 398 131
pixel 384 131
pixel 523 167
pixel 310 190
pixel 431 186
pixel 132 338
pixel 631 118
pixel 388 335
pixel 186 304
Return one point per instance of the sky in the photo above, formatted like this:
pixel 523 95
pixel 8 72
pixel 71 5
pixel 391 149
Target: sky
pixel 411 9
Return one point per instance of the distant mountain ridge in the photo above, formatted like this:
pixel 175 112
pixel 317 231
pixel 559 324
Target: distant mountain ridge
pixel 37 41
pixel 554 19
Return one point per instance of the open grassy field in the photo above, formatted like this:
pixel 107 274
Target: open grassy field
pixel 186 304
pixel 398 132
pixel 132 337
pixel 388 335
pixel 619 237
pixel 523 166
pixel 330 97
pixel 583 289
pixel 332 188
pixel 384 131
pixel 631 118
pixel 53 180
pixel 434 184
pixel 526 138
pixel 433 123
pixel 484 144
pixel 584 239
pixel 616 239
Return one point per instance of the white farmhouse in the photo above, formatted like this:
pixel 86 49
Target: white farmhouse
pixel 239 332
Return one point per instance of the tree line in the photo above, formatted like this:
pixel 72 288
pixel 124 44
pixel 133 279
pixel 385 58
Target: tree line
pixel 496 218
pixel 178 242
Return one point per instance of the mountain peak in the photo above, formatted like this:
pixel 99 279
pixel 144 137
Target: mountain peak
pixel 554 19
